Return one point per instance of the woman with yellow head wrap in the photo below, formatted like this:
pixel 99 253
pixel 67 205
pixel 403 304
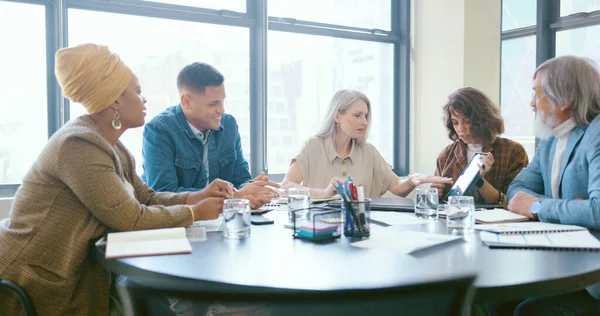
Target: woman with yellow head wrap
pixel 84 185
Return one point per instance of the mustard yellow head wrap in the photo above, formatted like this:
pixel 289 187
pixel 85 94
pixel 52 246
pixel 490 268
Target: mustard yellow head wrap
pixel 91 75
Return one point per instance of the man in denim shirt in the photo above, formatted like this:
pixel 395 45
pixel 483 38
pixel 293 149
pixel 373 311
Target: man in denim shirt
pixel 189 145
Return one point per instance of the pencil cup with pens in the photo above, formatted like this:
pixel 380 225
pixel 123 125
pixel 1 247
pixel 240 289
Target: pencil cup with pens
pixel 355 209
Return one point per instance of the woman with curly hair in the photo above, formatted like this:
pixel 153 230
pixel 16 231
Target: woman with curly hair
pixel 474 123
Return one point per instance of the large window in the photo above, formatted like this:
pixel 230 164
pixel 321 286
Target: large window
pixel 518 65
pixel 24 119
pixel 304 73
pixel 372 14
pixel 283 81
pixel 568 7
pixel 581 42
pixel 518 13
pixel 157 49
pixel 233 5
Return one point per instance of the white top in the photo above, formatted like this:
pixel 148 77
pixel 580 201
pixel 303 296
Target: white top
pixel 561 132
pixel 472 150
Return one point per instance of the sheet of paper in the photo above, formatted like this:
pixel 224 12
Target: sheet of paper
pixel 575 239
pixel 395 219
pixel 214 225
pixel 403 241
pixel 498 215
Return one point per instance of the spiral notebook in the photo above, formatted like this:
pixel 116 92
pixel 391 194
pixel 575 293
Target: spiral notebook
pixel 527 228
pixel 572 240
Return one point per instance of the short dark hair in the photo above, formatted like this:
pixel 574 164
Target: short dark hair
pixel 198 76
pixel 486 121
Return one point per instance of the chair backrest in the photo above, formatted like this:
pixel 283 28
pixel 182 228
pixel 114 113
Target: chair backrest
pixel 448 297
pixel 21 295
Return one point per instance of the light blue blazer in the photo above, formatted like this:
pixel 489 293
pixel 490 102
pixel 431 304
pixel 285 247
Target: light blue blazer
pixel 579 184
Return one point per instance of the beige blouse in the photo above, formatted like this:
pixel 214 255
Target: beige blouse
pixel 319 162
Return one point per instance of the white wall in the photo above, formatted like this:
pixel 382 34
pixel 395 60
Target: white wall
pixel 455 43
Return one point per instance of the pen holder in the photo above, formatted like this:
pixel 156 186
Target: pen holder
pixel 323 224
pixel 356 218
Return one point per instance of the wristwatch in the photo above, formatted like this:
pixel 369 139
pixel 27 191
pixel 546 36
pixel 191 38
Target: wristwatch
pixel 535 207
pixel 479 183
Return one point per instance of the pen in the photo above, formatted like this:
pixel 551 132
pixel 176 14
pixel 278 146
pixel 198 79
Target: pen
pixel 361 199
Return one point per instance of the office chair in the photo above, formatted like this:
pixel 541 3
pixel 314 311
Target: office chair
pixel 21 295
pixel 449 297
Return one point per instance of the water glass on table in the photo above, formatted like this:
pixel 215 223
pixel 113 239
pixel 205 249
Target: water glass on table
pixel 427 203
pixel 236 215
pixel 298 204
pixel 460 218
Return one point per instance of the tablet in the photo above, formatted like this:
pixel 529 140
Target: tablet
pixel 467 178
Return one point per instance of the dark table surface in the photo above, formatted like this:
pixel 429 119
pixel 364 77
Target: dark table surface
pixel 271 261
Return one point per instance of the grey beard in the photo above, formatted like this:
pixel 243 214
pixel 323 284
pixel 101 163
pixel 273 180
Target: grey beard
pixel 541 129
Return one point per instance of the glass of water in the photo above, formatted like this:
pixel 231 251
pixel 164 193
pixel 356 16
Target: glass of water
pixel 298 199
pixel 460 218
pixel 236 215
pixel 427 203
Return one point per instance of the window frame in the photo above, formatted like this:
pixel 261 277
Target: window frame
pixel 259 23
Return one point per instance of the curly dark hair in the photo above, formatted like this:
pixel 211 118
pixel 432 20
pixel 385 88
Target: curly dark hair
pixel 486 121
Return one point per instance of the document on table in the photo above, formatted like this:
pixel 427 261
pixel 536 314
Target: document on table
pixel 390 239
pixel 395 219
pixel 213 225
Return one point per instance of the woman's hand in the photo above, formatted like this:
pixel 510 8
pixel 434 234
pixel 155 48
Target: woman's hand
pixel 330 189
pixel 207 209
pixel 487 160
pixel 416 179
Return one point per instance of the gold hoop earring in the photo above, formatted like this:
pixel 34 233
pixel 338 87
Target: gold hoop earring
pixel 116 124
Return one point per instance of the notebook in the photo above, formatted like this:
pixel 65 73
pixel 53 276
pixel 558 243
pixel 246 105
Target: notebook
pixel 498 215
pixel 573 240
pixel 528 228
pixel 147 243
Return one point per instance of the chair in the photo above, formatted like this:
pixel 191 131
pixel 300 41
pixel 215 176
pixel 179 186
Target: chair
pixel 450 297
pixel 21 295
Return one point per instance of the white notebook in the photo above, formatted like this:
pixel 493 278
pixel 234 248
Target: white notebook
pixel 498 215
pixel 528 228
pixel 574 240
pixel 147 243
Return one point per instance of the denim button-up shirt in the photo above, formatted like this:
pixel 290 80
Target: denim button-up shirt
pixel 173 154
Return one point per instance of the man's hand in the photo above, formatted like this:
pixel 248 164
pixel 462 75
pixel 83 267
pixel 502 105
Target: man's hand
pixel 521 204
pixel 207 209
pixel 217 188
pixel 261 177
pixel 416 179
pixel 257 193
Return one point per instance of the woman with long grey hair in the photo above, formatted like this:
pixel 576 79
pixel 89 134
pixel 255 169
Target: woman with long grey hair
pixel 340 149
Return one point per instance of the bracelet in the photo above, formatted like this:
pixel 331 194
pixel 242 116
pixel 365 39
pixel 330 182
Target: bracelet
pixel 500 197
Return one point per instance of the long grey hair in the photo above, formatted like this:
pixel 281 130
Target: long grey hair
pixel 572 80
pixel 340 103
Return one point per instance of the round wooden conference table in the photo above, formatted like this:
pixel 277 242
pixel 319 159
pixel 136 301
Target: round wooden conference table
pixel 271 260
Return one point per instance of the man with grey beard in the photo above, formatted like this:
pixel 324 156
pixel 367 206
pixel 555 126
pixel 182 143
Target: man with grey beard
pixel 562 182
